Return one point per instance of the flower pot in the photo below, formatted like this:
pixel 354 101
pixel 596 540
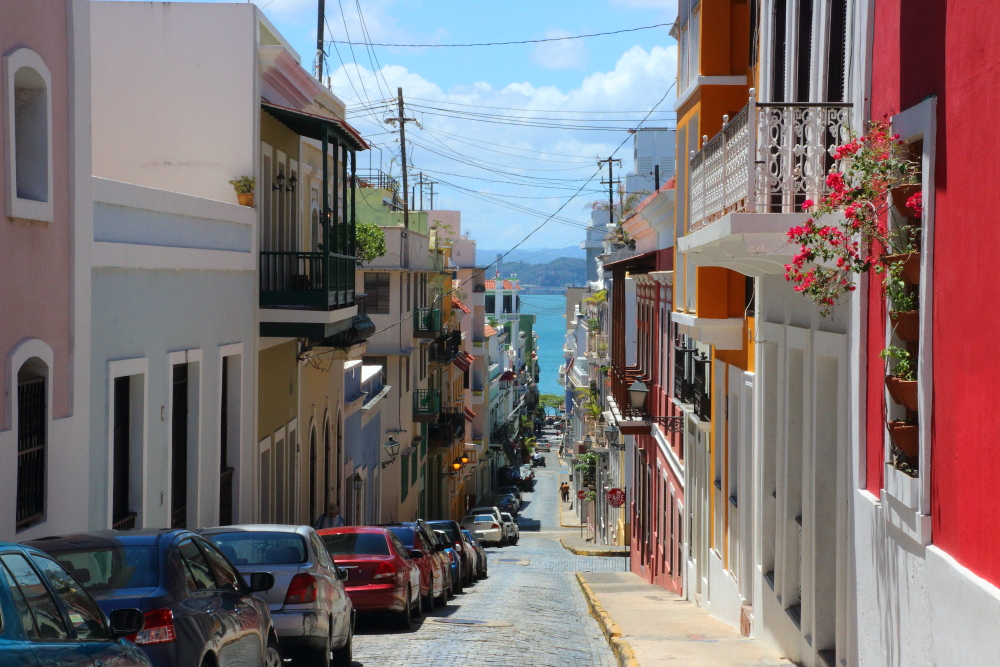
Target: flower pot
pixel 903 392
pixel 245 199
pixel 906 437
pixel 911 265
pixel 906 324
pixel 901 195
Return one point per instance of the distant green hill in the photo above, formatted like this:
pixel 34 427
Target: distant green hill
pixel 556 274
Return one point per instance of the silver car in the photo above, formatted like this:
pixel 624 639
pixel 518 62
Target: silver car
pixel 311 612
pixel 513 530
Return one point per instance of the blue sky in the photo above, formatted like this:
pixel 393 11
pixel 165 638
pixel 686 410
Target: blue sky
pixel 530 167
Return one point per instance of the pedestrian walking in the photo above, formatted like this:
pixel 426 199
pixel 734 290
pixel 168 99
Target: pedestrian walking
pixel 329 519
pixel 564 490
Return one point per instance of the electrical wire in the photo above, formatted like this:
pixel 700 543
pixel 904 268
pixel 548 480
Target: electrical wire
pixel 523 41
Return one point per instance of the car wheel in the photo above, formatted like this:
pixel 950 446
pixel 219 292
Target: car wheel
pixel 272 656
pixel 428 601
pixel 404 619
pixel 345 654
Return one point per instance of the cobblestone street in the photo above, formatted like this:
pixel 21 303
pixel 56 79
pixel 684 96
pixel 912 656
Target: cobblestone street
pixel 530 610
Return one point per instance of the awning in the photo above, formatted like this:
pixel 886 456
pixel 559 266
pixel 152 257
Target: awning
pixel 469 414
pixel 508 376
pixel 636 263
pixel 313 126
pixel 457 303
pixel 464 361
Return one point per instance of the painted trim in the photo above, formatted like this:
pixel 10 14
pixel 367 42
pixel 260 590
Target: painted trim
pixel 117 193
pixel 699 81
pixel 27 209
pixel 153 257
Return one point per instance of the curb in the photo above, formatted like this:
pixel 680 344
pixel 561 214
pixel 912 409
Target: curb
pixel 623 652
pixel 592 551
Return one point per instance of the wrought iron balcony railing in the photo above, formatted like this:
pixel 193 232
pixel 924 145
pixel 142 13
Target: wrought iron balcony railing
pixel 426 323
pixel 318 280
pixel 446 347
pixel 426 403
pixel 702 398
pixel 768 159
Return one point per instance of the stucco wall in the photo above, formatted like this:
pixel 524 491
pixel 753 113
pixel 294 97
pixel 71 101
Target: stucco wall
pixel 149 314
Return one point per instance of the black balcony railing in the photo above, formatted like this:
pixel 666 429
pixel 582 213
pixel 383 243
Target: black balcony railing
pixel 701 398
pixel 316 280
pixel 446 347
pixel 426 403
pixel 683 387
pixel 426 323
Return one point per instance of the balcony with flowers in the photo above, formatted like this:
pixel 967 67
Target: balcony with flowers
pixel 749 182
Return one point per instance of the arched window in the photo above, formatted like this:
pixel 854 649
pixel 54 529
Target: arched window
pixel 29 118
pixel 32 437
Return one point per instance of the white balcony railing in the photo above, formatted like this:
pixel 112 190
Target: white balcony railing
pixel 768 159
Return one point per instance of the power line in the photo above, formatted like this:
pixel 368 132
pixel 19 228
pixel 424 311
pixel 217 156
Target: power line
pixel 523 41
pixel 482 106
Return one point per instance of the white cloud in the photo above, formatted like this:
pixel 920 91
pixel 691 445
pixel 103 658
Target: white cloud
pixel 537 158
pixel 564 54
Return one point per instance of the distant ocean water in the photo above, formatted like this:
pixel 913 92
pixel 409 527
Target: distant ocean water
pixel 550 324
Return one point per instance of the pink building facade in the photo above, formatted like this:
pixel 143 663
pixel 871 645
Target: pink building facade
pixel 45 227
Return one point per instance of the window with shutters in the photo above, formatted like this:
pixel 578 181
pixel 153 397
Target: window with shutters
pixel 804 51
pixel 377 289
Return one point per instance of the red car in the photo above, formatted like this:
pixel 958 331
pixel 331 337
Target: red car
pixel 381 574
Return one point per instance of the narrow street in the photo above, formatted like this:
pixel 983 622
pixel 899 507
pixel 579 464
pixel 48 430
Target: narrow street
pixel 529 611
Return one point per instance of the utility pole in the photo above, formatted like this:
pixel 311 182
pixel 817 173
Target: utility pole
pixel 611 187
pixel 421 183
pixel 432 184
pixel 319 41
pixel 403 120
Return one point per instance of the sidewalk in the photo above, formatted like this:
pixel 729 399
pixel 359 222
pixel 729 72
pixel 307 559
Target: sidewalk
pixel 581 547
pixel 647 626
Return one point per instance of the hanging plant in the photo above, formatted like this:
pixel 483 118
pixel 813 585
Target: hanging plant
pixel 853 240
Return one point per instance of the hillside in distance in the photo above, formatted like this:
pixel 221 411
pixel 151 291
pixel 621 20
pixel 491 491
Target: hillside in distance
pixel 486 256
pixel 551 277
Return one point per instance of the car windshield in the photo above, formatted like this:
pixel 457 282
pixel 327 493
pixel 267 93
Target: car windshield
pixel 110 567
pixel 360 544
pixel 507 517
pixel 261 548
pixel 405 536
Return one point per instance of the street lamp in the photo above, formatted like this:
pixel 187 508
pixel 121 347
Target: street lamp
pixel 465 459
pixel 611 433
pixel 392 449
pixel 588 442
pixel 456 465
pixel 637 394
pixel 356 481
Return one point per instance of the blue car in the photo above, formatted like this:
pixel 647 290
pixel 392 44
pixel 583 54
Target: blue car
pixel 49 619
pixel 456 561
pixel 198 609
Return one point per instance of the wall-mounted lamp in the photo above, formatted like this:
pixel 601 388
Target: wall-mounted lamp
pixel 292 182
pixel 279 181
pixel 356 481
pixel 392 449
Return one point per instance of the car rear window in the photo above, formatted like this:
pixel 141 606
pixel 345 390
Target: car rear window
pixel 261 548
pixel 449 529
pixel 111 567
pixel 479 518
pixel 405 536
pixel 360 544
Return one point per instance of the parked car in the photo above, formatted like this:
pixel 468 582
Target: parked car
pixel 482 565
pixel 454 532
pixel 507 503
pixel 52 620
pixel 493 511
pixel 543 445
pixel 456 562
pixel 513 530
pixel 485 528
pixel 433 578
pixel 198 608
pixel 381 574
pixel 512 490
pixel 310 609
pixel 442 550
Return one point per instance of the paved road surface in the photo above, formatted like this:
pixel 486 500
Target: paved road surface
pixel 530 610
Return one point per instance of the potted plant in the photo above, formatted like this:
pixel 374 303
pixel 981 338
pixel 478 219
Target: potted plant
pixel 906 437
pixel 901 381
pixel 244 186
pixel 906 242
pixel 902 303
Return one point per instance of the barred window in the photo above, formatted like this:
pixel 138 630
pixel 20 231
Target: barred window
pixel 31 442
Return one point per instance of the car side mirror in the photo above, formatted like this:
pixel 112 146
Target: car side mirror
pixel 439 547
pixel 261 582
pixel 126 622
pixel 342 574
pixel 416 555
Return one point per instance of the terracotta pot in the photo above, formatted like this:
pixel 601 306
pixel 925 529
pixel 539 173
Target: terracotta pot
pixel 903 392
pixel 245 199
pixel 901 195
pixel 906 437
pixel 911 265
pixel 906 324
